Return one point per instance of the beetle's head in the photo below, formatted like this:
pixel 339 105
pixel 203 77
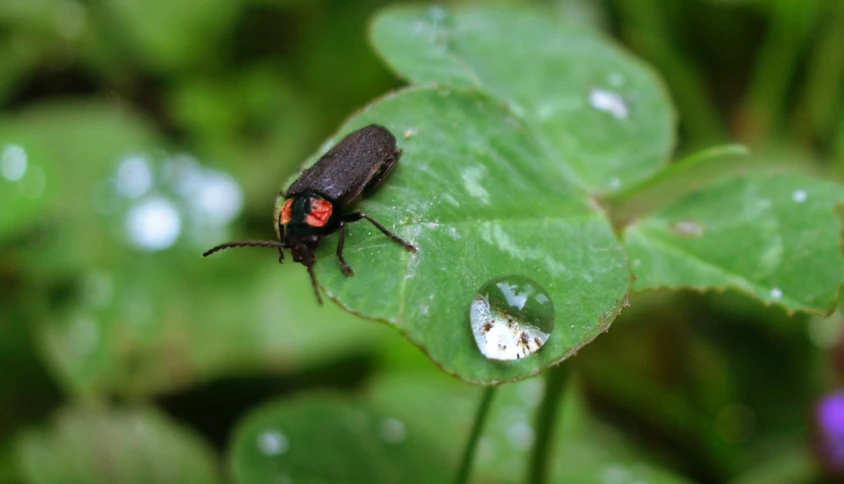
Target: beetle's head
pixel 303 214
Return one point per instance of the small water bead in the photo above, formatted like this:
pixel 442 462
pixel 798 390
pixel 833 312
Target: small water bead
pixel 687 228
pixel 609 102
pixel 134 176
pixel 154 223
pixel 511 317
pixel 393 431
pixel 273 442
pixel 13 163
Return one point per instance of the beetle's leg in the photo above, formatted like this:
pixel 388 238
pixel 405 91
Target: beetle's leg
pixel 354 217
pixel 310 265
pixel 343 264
pixel 384 172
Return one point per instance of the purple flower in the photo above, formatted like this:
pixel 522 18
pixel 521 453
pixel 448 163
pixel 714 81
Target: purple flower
pixel 829 417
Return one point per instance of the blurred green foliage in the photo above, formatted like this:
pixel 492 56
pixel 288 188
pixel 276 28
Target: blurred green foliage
pixel 119 339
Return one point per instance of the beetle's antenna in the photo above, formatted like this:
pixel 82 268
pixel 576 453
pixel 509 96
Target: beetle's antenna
pixel 244 243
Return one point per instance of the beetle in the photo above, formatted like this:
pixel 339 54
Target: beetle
pixel 317 203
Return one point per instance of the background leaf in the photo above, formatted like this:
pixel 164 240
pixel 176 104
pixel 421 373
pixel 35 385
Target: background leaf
pixel 773 236
pixel 64 147
pixel 584 449
pixel 135 445
pixel 324 438
pixel 602 117
pixel 114 340
pixel 480 200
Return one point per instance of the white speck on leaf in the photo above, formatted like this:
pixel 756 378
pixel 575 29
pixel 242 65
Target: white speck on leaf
pixel 608 102
pixel 13 163
pixel 154 224
pixel 393 431
pixel 494 233
pixel 776 293
pixel 273 442
pixel 472 183
pixel 451 200
pixel 799 196
pixel 134 176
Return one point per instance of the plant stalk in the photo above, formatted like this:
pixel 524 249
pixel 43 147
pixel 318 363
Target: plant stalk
pixel 472 444
pixel 546 422
pixel 674 183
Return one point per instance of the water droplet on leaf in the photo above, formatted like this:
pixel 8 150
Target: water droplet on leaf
pixel 687 228
pixel 13 163
pixel 273 442
pixel 799 196
pixel 511 318
pixel 608 102
pixel 392 431
pixel 154 224
pixel 134 176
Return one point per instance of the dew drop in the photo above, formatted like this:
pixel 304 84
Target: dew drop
pixel 392 431
pixel 13 163
pixel 687 228
pixel 799 196
pixel 134 176
pixel 273 442
pixel 776 293
pixel 216 197
pixel 608 102
pixel 154 224
pixel 511 317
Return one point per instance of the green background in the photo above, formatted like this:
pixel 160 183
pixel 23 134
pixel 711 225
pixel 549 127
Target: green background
pixel 122 364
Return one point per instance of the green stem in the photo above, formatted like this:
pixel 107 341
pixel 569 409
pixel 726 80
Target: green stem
pixel 815 116
pixel 647 26
pixel 469 452
pixel 546 422
pixel 789 27
pixel 675 182
pixel 838 151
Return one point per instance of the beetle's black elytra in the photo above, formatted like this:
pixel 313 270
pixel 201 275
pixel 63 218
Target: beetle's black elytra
pixel 315 204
